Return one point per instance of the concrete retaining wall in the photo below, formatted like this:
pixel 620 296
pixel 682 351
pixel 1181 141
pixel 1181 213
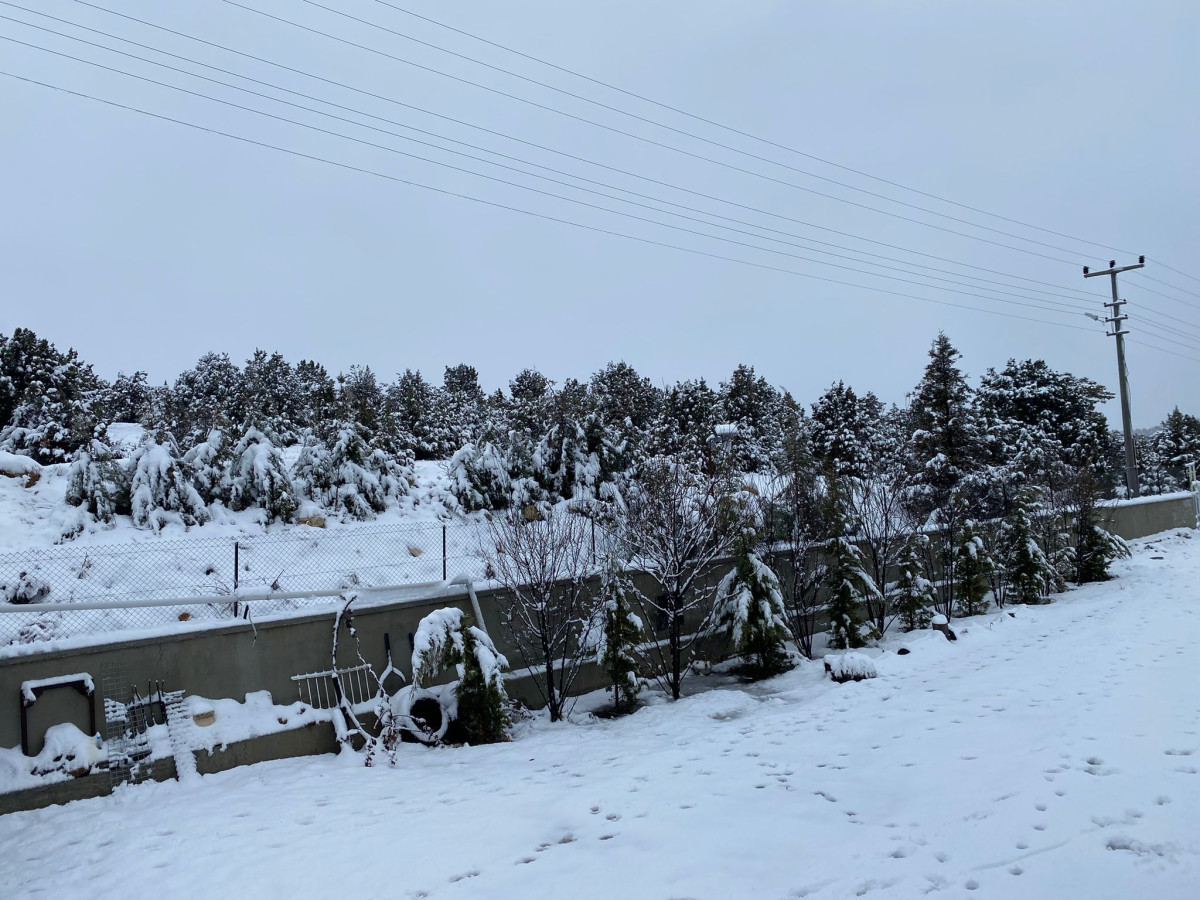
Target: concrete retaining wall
pixel 233 660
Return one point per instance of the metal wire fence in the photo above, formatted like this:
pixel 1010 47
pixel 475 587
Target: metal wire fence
pixel 165 572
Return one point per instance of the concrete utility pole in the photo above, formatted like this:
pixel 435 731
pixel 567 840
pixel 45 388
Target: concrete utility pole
pixel 1119 332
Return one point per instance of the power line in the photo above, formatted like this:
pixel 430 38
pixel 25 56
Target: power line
pixel 1160 333
pixel 1155 314
pixel 1195 359
pixel 653 142
pixel 1151 290
pixel 1176 271
pixel 729 128
pixel 1168 284
pixel 680 131
pixel 497 205
pixel 1076 307
pixel 532 144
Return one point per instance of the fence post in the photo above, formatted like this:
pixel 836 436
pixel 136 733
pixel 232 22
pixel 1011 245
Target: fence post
pixel 235 575
pixel 443 553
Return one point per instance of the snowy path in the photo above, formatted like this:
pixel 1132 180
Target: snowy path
pixel 1051 755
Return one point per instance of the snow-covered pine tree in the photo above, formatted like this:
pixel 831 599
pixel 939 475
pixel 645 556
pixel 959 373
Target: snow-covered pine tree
pixel 947 446
pixel 1095 546
pixel 619 636
pixel 1030 575
pixel 258 478
pixel 311 469
pixel 532 395
pixel 750 610
pixel 1177 444
pixel 129 399
pixel 52 398
pixel 349 485
pixel 446 639
pixel 272 396
pixel 315 396
pixel 161 490
pixel 846 576
pixel 912 593
pixel 843 429
pixel 971 567
pixel 684 428
pixel 479 478
pixel 206 397
pixel 626 405
pixel 209 462
pixel 748 401
pixel 98 482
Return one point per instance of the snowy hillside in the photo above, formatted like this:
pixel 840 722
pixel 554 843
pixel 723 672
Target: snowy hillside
pixel 1047 754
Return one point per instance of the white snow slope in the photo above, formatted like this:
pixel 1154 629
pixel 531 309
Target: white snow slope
pixel 1053 754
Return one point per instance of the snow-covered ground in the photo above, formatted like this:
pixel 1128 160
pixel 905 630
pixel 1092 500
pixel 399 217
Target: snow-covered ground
pixel 122 563
pixel 1051 754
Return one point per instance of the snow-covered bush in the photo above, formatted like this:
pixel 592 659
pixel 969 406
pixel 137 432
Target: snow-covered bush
pixel 849 667
pixel 479 478
pixel 257 477
pixel 750 609
pixel 161 492
pixel 446 639
pixel 351 488
pixel 618 636
pixel 208 462
pixel 25 588
pixel 98 482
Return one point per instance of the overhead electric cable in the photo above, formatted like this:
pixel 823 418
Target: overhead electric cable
pixel 1044 305
pixel 1076 302
pixel 426 111
pixel 649 121
pixel 733 130
pixel 647 140
pixel 491 203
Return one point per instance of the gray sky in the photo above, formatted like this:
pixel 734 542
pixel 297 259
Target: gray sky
pixel 145 244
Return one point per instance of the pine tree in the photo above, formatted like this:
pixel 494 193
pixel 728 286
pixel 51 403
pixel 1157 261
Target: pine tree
pixel 52 399
pixel 846 577
pixel 748 401
pixel 209 463
pixel 684 429
pixel 206 397
pixel 620 635
pixel 479 478
pixel 258 478
pixel 844 429
pixel 129 399
pixel 446 640
pixel 750 609
pixel 971 567
pixel 1095 547
pixel 626 405
pixel 161 490
pixel 99 482
pixel 344 475
pixel 913 594
pixel 272 396
pixel 1030 575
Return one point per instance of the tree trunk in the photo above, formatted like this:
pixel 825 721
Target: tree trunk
pixel 676 652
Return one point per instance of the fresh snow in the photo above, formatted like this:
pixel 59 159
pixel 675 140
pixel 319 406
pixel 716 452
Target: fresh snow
pixel 1052 753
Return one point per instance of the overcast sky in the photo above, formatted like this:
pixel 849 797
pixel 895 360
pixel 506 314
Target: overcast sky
pixel 144 243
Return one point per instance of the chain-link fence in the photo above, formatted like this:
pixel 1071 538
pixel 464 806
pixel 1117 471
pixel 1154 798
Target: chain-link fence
pixel 151 580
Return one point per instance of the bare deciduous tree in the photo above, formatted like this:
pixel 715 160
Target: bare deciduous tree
pixel 677 523
pixel 544 563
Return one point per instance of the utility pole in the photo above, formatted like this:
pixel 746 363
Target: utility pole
pixel 1119 332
